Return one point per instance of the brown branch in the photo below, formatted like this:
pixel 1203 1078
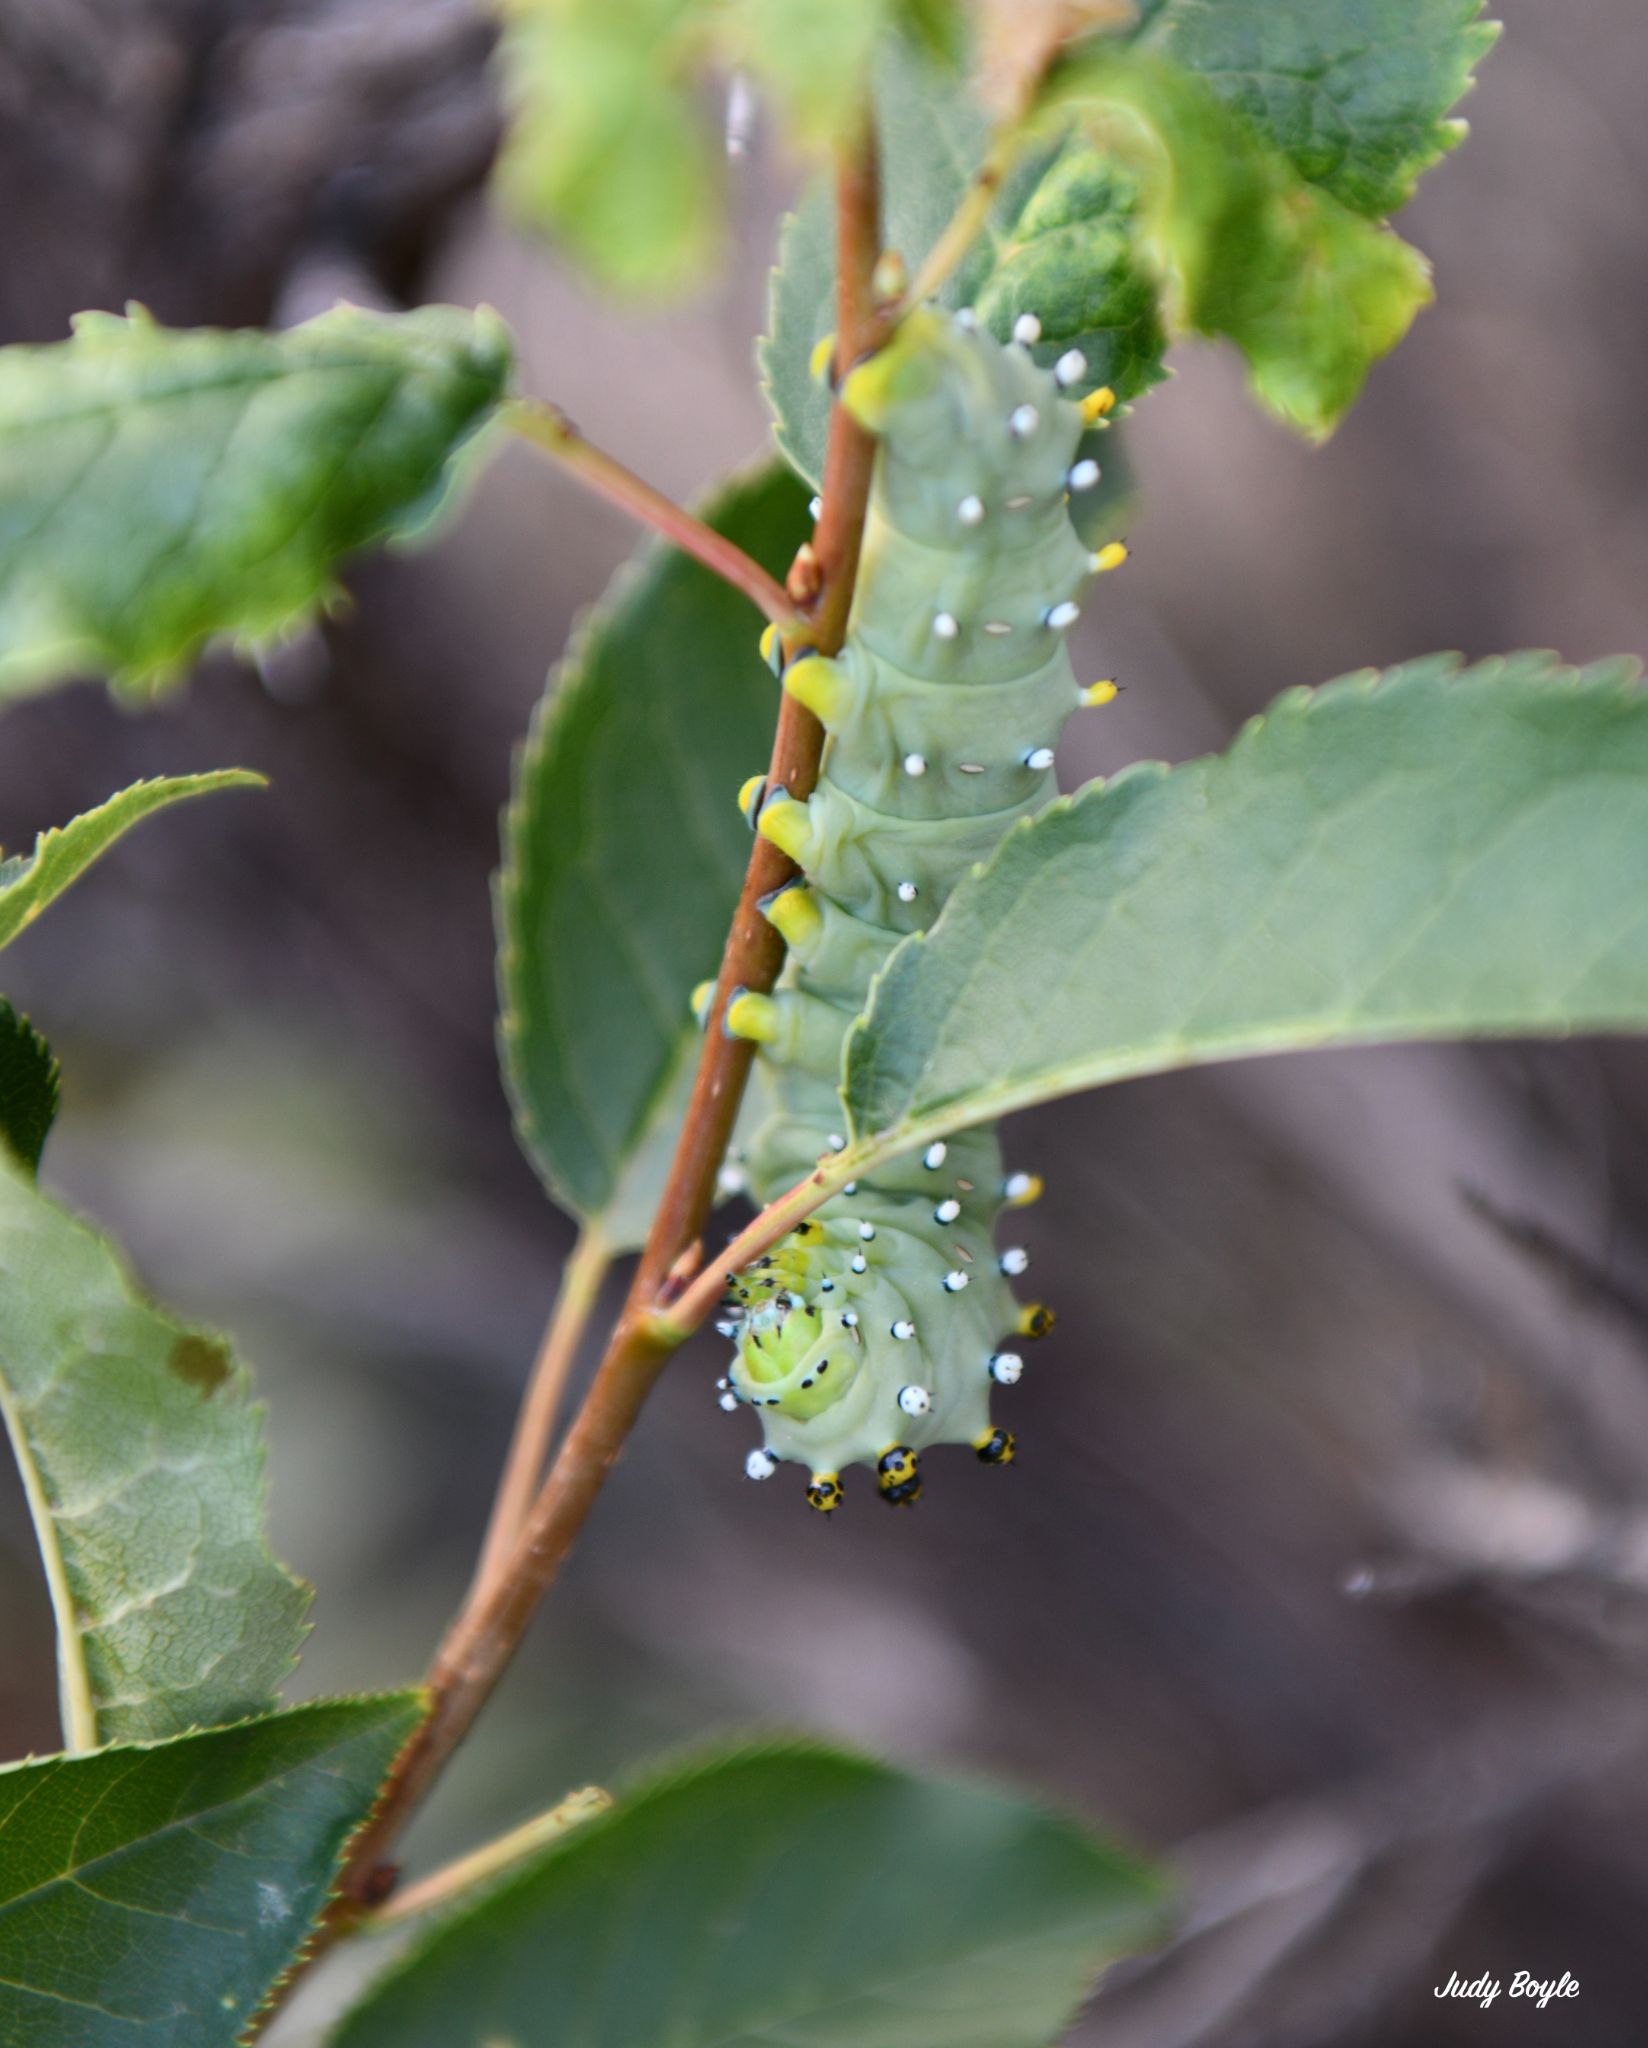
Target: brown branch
pixel 484 1635
pixel 547 427
pixel 575 1299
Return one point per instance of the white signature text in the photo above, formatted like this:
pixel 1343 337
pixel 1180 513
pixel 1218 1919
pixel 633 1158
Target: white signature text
pixel 1485 1989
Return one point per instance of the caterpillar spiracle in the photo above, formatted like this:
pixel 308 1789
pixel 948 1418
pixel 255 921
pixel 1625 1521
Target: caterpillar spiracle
pixel 881 1324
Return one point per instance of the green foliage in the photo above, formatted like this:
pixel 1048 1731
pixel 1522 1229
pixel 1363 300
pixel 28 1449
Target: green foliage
pixel 623 855
pixel 1424 854
pixel 609 148
pixel 1059 244
pixel 1228 176
pixel 816 56
pixel 151 1897
pixel 1310 292
pixel 141 1458
pixel 28 882
pixel 791 1893
pixel 613 147
pixel 158 488
pixel 1352 92
pixel 28 1087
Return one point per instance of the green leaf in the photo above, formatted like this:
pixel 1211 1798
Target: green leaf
pixel 28 1087
pixel 62 854
pixel 624 851
pixel 609 149
pixel 160 487
pixel 1059 244
pixel 1243 248
pixel 790 1894
pixel 1278 134
pixel 816 56
pixel 1352 92
pixel 141 1458
pixel 152 1897
pixel 1424 854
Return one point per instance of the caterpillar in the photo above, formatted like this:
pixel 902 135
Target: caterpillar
pixel 881 1324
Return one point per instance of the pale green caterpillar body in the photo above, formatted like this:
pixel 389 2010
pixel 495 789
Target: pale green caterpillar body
pixel 879 1326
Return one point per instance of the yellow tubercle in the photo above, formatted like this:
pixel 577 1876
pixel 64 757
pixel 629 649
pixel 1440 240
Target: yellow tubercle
pixel 1099 693
pixel 788 825
pixel 818 363
pixel 749 795
pixel 821 685
pixel 752 1016
pixel 796 918
pixel 769 641
pixel 907 368
pixel 1097 404
pixel 1110 556
pixel 700 999
pixel 824 1492
pixel 1028 1189
pixel 1035 1319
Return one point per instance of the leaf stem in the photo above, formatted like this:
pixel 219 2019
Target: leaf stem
pixel 484 1634
pixel 464 1873
pixel 971 215
pixel 673 1324
pixel 575 1300
pixel 546 427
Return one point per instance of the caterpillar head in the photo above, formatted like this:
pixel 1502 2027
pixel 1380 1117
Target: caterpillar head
pixel 865 1341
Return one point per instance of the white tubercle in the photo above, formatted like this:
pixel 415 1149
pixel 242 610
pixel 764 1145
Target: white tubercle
pixel 915 764
pixel 1083 475
pixel 1005 1368
pixel 1023 421
pixel 914 1400
pixel 1015 1259
pixel 1070 368
pixel 971 510
pixel 944 626
pixel 1039 758
pixel 1026 329
pixel 936 1154
pixel 759 1466
pixel 1063 615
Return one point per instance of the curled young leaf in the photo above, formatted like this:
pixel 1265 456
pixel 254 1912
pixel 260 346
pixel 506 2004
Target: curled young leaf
pixel 1241 246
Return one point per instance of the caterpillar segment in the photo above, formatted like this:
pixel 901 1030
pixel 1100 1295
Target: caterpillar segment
pixel 882 1325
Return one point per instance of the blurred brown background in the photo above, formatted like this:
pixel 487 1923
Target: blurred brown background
pixel 1324 1570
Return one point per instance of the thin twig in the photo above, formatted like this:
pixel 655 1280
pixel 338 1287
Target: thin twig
pixel 547 427
pixel 575 1299
pixel 484 1635
pixel 453 1879
pixel 972 214
pixel 674 1324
